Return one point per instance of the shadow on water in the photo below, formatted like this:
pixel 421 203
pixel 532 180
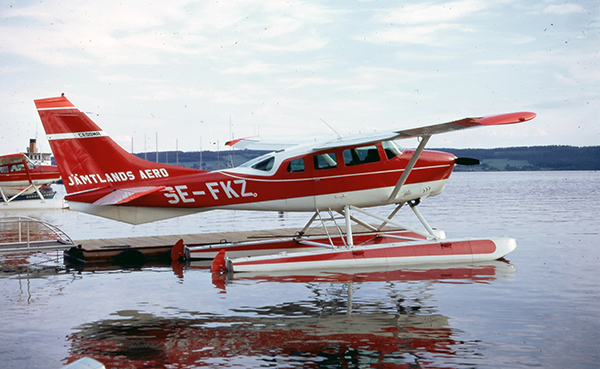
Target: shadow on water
pixel 337 325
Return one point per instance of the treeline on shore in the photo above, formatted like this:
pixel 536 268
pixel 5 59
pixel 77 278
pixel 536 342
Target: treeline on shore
pixel 529 158
pixel 532 158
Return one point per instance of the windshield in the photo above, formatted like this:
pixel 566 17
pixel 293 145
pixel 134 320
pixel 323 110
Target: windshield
pixel 391 149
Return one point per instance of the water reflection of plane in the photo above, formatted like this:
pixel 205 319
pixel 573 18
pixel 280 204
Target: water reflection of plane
pixel 458 273
pixel 400 327
pixel 134 339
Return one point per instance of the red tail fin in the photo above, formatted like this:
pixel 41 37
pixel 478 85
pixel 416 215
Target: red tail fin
pixel 87 158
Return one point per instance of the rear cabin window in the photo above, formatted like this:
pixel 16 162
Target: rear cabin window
pixel 325 161
pixel 296 166
pixel 361 155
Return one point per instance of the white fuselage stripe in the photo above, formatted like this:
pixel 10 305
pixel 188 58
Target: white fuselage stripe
pixel 57 108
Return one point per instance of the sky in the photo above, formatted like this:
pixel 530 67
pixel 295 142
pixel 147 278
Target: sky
pixel 190 75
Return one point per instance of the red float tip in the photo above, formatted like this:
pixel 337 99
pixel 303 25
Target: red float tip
pixel 177 251
pixel 218 264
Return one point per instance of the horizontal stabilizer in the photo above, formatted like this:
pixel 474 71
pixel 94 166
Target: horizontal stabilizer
pixel 250 143
pixel 123 196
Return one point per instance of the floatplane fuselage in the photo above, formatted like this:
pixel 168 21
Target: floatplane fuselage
pixel 18 176
pixel 359 171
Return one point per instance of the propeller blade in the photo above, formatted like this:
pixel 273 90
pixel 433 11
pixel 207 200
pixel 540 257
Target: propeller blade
pixel 466 161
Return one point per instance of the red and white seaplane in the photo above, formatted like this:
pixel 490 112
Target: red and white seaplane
pixel 19 177
pixel 342 176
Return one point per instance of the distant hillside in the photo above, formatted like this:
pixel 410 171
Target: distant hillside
pixel 499 159
pixel 532 158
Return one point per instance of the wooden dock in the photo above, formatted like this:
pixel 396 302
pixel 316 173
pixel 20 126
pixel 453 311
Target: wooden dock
pixel 27 235
pixel 139 249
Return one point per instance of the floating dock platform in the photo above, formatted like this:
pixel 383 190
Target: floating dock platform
pixel 135 250
pixel 28 235
pixel 138 250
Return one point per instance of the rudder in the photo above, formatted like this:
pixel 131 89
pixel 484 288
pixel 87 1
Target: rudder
pixel 87 157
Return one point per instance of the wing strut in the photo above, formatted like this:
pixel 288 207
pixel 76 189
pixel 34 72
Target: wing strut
pixel 409 167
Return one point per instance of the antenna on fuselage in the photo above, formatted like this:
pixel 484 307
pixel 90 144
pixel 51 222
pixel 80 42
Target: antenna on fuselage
pixel 330 127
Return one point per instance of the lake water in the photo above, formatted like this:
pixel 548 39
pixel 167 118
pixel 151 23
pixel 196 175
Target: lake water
pixel 540 308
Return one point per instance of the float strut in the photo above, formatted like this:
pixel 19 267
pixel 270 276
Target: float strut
pixel 413 206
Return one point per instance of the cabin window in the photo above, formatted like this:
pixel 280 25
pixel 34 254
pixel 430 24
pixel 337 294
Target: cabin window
pixel 17 168
pixel 325 161
pixel 391 149
pixel 361 155
pixel 264 165
pixel 296 166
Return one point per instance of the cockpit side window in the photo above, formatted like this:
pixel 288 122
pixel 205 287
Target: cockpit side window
pixel 17 168
pixel 325 161
pixel 264 165
pixel 361 155
pixel 296 166
pixel 391 149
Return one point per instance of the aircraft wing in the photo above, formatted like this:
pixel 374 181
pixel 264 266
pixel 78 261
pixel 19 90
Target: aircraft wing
pixel 491 120
pixel 125 195
pixel 12 159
